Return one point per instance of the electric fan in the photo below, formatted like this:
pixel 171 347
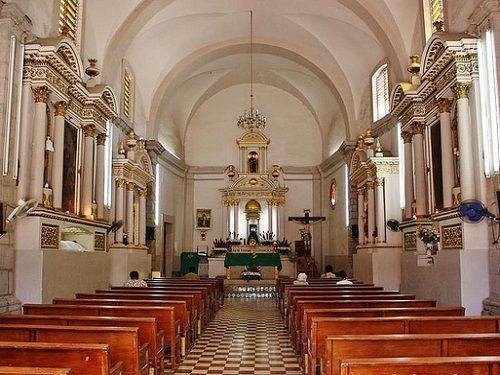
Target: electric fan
pixel 474 211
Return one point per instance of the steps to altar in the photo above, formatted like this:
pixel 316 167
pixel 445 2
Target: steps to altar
pixel 250 289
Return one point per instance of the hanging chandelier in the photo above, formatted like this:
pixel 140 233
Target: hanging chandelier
pixel 251 119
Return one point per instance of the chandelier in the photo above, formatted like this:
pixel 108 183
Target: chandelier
pixel 251 119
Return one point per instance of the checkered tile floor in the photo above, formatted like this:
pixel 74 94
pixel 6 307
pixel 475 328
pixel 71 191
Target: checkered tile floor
pixel 246 337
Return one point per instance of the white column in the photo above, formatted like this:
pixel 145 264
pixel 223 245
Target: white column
pixel 25 143
pixel 130 212
pixel 418 144
pixel 280 231
pixel 236 217
pixel 142 216
pixel 38 142
pixel 371 211
pixel 58 156
pixel 88 166
pixel 379 183
pixel 408 171
pixel 99 175
pixel 270 216
pixel 467 183
pixel 119 205
pixel 275 220
pixel 361 208
pixel 225 219
pixel 448 167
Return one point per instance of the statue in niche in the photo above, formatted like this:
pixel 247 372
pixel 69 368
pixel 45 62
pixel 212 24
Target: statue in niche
pixel 253 162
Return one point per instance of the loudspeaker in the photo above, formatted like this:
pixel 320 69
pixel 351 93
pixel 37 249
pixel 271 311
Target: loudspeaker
pixel 354 231
pixel 150 233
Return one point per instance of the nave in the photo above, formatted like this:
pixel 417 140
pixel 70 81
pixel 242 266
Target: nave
pixel 247 336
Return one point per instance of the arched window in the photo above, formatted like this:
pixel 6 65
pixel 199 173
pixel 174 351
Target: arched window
pixel 380 93
pixel 69 19
pixel 128 94
pixel 433 16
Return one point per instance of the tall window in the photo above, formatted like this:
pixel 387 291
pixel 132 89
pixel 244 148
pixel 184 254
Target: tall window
pixel 127 94
pixel 68 18
pixel 380 93
pixel 490 118
pixel 433 13
pixel 108 159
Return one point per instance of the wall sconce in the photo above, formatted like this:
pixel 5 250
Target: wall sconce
pixel 203 234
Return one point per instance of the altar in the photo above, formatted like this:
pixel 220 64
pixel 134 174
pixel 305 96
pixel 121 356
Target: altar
pixel 216 268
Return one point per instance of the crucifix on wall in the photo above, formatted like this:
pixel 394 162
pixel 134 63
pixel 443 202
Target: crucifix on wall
pixel 305 232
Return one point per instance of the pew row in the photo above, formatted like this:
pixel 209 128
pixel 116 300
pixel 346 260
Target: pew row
pixel 8 370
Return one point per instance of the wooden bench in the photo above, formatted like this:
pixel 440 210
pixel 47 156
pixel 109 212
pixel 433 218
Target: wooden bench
pixel 123 342
pixel 322 327
pixel 164 315
pixel 340 348
pixel 83 359
pixel 488 365
pixel 148 330
pixel 7 370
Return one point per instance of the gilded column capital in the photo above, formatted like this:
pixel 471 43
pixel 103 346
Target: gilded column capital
pixel 41 94
pixel 370 185
pixel 101 139
pixel 120 183
pixel 407 136
pixel 130 186
pixel 462 90
pixel 88 130
pixel 60 108
pixel 361 191
pixel 379 181
pixel 444 105
pixel 143 193
pixel 418 128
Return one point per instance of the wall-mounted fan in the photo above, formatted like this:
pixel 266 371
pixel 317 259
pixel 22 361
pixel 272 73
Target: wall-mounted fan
pixel 23 208
pixel 115 225
pixel 393 225
pixel 474 211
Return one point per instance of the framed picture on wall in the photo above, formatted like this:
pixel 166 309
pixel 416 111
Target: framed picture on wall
pixel 333 193
pixel 203 218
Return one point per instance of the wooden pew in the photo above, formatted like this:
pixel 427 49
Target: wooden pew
pixel 123 342
pixel 339 348
pixel 164 315
pixel 148 329
pixel 487 365
pixel 83 359
pixel 180 310
pixel 322 327
pixel 216 283
pixel 7 370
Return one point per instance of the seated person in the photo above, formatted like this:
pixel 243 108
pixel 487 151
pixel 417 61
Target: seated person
pixel 328 273
pixel 191 275
pixel 343 278
pixel 135 282
pixel 301 279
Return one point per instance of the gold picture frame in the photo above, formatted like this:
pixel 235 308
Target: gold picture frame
pixel 203 218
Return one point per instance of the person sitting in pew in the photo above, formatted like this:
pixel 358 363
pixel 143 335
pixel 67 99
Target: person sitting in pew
pixel 135 282
pixel 301 279
pixel 343 278
pixel 328 273
pixel 191 275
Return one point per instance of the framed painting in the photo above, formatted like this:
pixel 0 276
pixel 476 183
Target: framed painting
pixel 203 218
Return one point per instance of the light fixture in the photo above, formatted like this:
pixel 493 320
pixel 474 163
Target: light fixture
pixel 251 119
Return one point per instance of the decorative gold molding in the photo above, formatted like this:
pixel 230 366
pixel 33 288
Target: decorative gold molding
pixel 407 136
pixel 361 191
pixel 88 131
pixel 462 90
pixel 379 181
pixel 120 183
pixel 444 105
pixel 418 127
pixel 452 236
pixel 101 139
pixel 60 108
pixel 130 186
pixel 41 94
pixel 99 242
pixel 143 193
pixel 410 241
pixel 49 236
pixel 370 185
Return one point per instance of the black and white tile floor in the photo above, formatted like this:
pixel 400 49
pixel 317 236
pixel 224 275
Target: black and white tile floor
pixel 246 337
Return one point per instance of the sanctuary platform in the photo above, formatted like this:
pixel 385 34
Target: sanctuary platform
pixel 249 289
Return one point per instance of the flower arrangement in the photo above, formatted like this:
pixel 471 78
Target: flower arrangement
pixel 251 273
pixel 428 235
pixel 267 238
pixel 220 247
pixel 233 239
pixel 283 246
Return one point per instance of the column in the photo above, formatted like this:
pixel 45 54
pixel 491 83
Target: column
pixel 119 203
pixel 38 142
pixel 467 184
pixel 24 143
pixel 371 210
pixel 418 144
pixel 58 156
pixel 270 215
pixel 379 183
pixel 142 216
pixel 408 170
pixel 88 165
pixel 275 220
pixel 448 168
pixel 225 219
pixel 235 217
pixel 130 212
pixel 99 175
pixel 280 220
pixel 361 213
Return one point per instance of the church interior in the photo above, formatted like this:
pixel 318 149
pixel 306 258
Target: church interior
pixel 245 143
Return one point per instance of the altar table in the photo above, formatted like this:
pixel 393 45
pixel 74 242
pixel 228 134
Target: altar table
pixel 253 259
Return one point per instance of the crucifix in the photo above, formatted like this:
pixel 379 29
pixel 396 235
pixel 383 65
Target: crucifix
pixel 307 221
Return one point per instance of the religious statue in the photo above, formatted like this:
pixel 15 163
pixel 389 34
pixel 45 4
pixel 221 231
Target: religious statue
pixel 305 232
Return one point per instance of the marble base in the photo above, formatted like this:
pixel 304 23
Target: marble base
pixel 124 259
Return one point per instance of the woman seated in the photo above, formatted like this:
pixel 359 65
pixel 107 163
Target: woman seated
pixel 328 272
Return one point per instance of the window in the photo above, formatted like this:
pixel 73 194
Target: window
pixel 380 93
pixel 489 104
pixel 108 160
pixel 127 95
pixel 69 18
pixel 433 13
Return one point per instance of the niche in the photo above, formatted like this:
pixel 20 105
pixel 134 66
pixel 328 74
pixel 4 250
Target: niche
pixel 253 162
